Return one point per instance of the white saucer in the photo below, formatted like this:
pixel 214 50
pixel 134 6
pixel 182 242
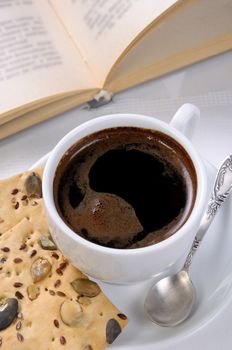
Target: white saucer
pixel 211 273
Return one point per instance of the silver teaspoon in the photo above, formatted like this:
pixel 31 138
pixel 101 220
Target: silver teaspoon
pixel 170 301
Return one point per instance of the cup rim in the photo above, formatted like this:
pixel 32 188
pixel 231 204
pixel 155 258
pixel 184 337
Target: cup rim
pixel 123 119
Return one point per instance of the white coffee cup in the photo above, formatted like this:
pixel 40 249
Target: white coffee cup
pixel 127 265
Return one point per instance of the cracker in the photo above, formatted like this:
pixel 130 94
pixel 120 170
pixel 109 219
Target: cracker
pixel 39 324
pixel 13 206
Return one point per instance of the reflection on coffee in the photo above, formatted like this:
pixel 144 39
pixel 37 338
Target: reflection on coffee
pixel 125 187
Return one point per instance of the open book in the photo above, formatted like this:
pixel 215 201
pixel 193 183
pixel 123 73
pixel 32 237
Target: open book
pixel 56 54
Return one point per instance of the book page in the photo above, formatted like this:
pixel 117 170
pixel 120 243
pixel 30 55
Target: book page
pixel 190 33
pixel 37 60
pixel 102 29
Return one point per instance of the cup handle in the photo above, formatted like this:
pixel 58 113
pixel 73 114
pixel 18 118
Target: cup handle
pixel 185 119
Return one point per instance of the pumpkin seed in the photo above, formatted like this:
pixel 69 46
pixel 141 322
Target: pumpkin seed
pixel 85 287
pixel 33 185
pixel 113 329
pixel 84 301
pixel 47 243
pixel 40 269
pixel 8 311
pixel 33 291
pixel 71 313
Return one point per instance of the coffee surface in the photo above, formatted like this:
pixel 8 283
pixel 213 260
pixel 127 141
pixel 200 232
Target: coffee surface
pixel 125 187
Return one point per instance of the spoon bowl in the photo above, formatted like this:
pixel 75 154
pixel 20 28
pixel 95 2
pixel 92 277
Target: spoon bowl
pixel 171 300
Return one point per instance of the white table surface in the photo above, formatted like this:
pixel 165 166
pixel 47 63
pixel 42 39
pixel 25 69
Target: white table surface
pixel 208 85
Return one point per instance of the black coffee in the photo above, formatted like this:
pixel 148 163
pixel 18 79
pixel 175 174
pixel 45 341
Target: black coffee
pixel 125 187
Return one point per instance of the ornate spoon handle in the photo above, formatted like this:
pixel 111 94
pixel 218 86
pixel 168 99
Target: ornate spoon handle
pixel 222 189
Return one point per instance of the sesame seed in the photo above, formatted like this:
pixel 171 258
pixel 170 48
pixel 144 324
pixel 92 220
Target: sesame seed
pixel 20 337
pixel 17 284
pixel 56 323
pixel 5 249
pixel 14 191
pixel 18 325
pixel 19 295
pixel 57 283
pixel 62 340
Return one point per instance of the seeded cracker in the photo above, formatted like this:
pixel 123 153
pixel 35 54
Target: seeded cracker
pixel 57 307
pixel 16 203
